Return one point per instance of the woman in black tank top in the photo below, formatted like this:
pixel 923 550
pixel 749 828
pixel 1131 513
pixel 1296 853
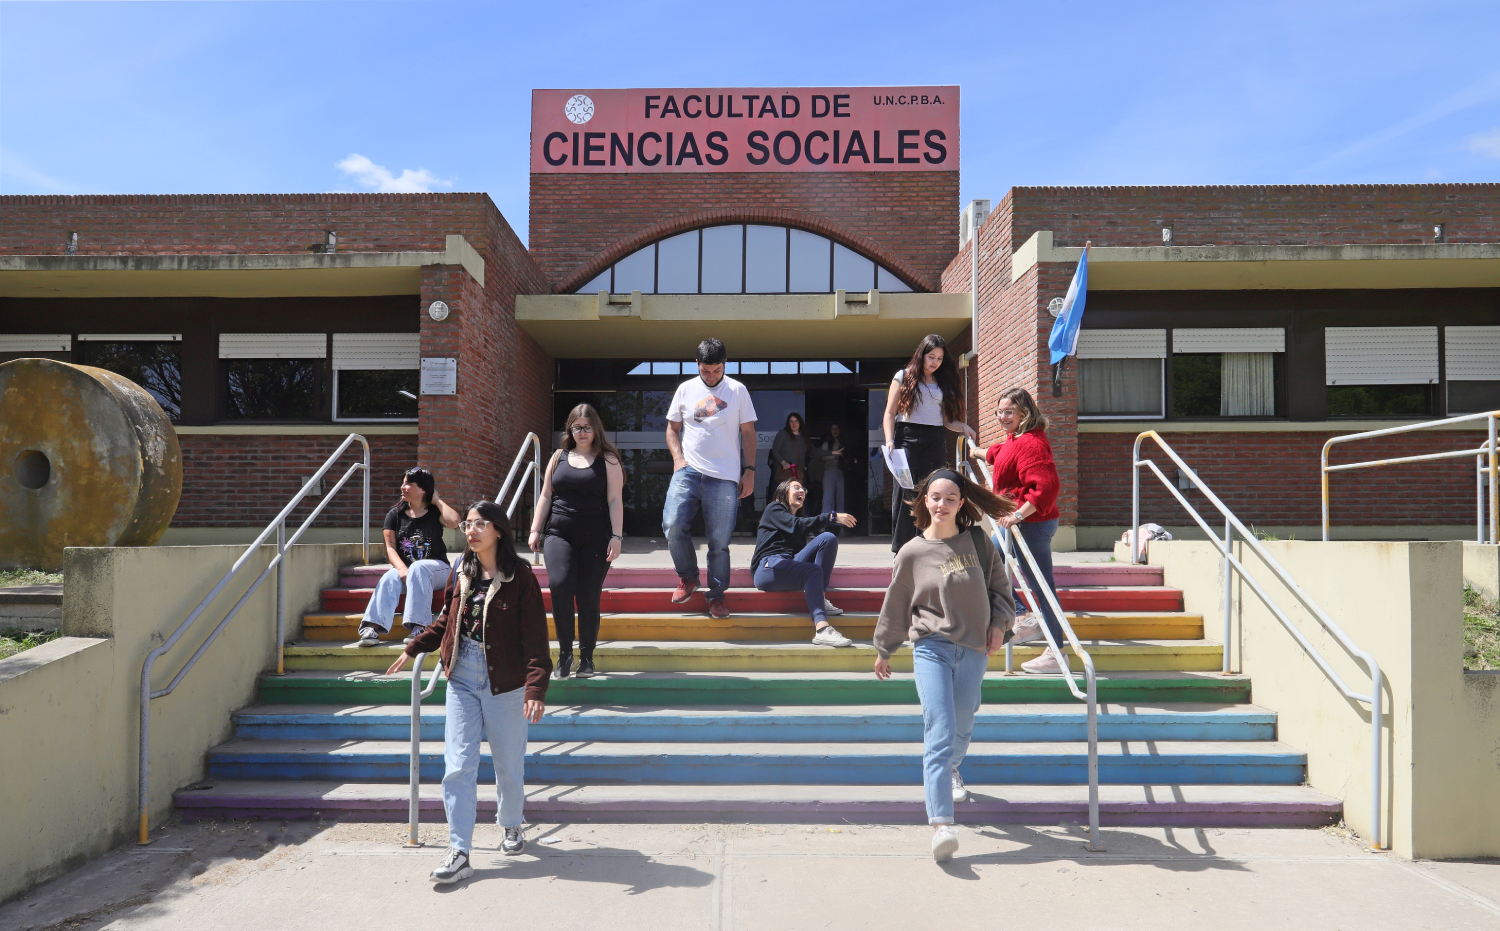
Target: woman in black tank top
pixel 578 529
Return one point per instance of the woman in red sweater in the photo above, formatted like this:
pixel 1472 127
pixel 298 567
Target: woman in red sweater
pixel 1023 470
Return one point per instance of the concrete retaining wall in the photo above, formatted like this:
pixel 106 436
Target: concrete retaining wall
pixel 70 709
pixel 1402 602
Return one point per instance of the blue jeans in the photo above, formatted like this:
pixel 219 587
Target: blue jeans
pixel 1038 537
pixel 949 679
pixel 422 577
pixel 472 713
pixel 833 490
pixel 720 501
pixel 810 572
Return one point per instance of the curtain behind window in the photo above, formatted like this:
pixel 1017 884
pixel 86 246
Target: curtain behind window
pixel 1119 387
pixel 1249 385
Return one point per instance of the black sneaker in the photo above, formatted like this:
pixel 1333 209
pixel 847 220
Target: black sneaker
pixel 514 843
pixel 455 866
pixel 586 668
pixel 564 666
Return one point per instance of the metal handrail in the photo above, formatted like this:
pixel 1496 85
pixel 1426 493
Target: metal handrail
pixel 417 694
pixel 533 471
pixel 283 544
pixel 1486 449
pixel 1089 694
pixel 1232 524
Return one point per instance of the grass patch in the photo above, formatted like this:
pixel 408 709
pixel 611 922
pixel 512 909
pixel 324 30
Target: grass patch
pixel 12 577
pixel 1481 632
pixel 18 641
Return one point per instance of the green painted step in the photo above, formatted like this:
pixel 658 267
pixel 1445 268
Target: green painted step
pixel 672 688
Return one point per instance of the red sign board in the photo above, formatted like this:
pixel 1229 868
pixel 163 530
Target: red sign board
pixel 744 129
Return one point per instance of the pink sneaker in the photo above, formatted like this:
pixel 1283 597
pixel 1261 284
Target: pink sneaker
pixel 1045 665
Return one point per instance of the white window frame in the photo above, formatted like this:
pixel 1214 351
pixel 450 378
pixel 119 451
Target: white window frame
pixel 1124 344
pixel 346 346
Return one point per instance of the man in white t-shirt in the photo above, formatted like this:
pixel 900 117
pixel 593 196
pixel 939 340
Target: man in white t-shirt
pixel 711 433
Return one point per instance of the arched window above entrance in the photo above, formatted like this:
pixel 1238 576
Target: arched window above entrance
pixel 744 259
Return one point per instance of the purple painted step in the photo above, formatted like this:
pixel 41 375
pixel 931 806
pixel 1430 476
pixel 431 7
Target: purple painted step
pixel 843 576
pixel 1172 806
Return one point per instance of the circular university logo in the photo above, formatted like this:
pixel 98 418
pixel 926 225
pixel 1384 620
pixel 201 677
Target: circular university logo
pixel 579 108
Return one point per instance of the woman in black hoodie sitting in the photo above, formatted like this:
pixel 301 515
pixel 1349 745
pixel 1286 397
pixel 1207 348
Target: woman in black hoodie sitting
pixel 785 561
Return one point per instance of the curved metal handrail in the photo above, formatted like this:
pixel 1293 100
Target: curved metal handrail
pixel 1232 523
pixel 277 524
pixel 1486 449
pixel 533 472
pixel 418 692
pixel 1089 694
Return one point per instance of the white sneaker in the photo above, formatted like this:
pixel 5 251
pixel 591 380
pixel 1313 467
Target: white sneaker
pixel 1027 629
pixel 828 637
pixel 960 791
pixel 368 636
pixel 831 609
pixel 414 633
pixel 1045 665
pixel 455 866
pixel 944 844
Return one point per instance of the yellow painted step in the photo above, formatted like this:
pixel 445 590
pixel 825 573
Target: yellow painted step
pixel 637 656
pixel 780 627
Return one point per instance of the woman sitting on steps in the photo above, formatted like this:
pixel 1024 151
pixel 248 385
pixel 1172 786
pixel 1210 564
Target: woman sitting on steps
pixel 785 562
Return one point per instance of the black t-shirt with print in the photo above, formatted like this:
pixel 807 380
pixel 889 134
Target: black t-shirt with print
pixel 417 537
pixel 471 622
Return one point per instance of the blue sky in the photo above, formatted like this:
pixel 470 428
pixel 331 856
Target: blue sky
pixel 275 97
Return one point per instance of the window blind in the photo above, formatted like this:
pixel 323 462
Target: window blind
pixel 1122 344
pixel 1473 353
pixel 35 342
pixel 273 346
pixel 1229 339
pixel 1386 355
pixel 376 351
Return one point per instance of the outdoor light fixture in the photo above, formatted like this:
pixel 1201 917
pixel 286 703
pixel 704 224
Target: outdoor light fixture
pixel 1055 306
pixel 438 310
pixel 1166 235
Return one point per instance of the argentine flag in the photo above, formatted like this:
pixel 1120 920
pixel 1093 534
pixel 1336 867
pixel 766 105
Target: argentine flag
pixel 1064 339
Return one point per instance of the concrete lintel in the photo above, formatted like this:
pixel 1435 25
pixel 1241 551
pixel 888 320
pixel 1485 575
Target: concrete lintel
pixel 230 275
pixel 1127 268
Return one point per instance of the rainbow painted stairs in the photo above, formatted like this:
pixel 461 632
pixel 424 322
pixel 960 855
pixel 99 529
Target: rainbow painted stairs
pixel 743 719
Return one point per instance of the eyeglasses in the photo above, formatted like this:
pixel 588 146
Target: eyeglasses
pixel 479 525
pixel 582 428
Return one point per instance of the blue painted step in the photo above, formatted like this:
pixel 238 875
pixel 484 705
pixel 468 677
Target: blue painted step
pixel 592 763
pixel 791 724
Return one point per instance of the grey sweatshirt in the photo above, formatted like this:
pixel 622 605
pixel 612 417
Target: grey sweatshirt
pixel 937 588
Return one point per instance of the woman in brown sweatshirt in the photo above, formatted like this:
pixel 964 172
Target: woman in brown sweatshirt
pixel 951 598
pixel 493 639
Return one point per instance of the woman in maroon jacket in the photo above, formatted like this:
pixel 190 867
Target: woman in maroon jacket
pixel 1023 470
pixel 494 644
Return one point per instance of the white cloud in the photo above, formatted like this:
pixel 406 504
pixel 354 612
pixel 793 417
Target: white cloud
pixel 380 178
pixel 1486 144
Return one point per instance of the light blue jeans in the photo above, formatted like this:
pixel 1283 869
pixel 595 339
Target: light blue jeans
pixel 472 713
pixel 720 502
pixel 422 578
pixel 949 680
pixel 833 490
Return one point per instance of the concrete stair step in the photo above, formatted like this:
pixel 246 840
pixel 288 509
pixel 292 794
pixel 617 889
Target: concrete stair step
pixel 657 656
pixel 599 763
pixel 1119 805
pixel 745 600
pixel 785 723
pixel 677 626
pixel 761 689
pixel 843 576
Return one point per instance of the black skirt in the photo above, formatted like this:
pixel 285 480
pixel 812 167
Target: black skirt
pixel 926 448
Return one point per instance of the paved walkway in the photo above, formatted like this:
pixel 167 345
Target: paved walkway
pixel 248 875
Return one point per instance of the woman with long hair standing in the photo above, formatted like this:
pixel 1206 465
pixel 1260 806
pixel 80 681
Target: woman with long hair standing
pixel 788 456
pixel 951 598
pixel 579 527
pixel 784 560
pixel 1023 470
pixel 492 637
pixel 924 402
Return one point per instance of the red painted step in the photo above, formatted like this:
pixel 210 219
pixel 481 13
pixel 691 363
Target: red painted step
pixel 1120 599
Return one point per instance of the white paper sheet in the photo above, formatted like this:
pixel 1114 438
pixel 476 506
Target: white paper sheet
pixel 895 460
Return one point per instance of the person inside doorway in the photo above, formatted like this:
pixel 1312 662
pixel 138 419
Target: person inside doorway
pixel 788 456
pixel 418 556
pixel 924 402
pixel 711 435
pixel 785 561
pixel 836 458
